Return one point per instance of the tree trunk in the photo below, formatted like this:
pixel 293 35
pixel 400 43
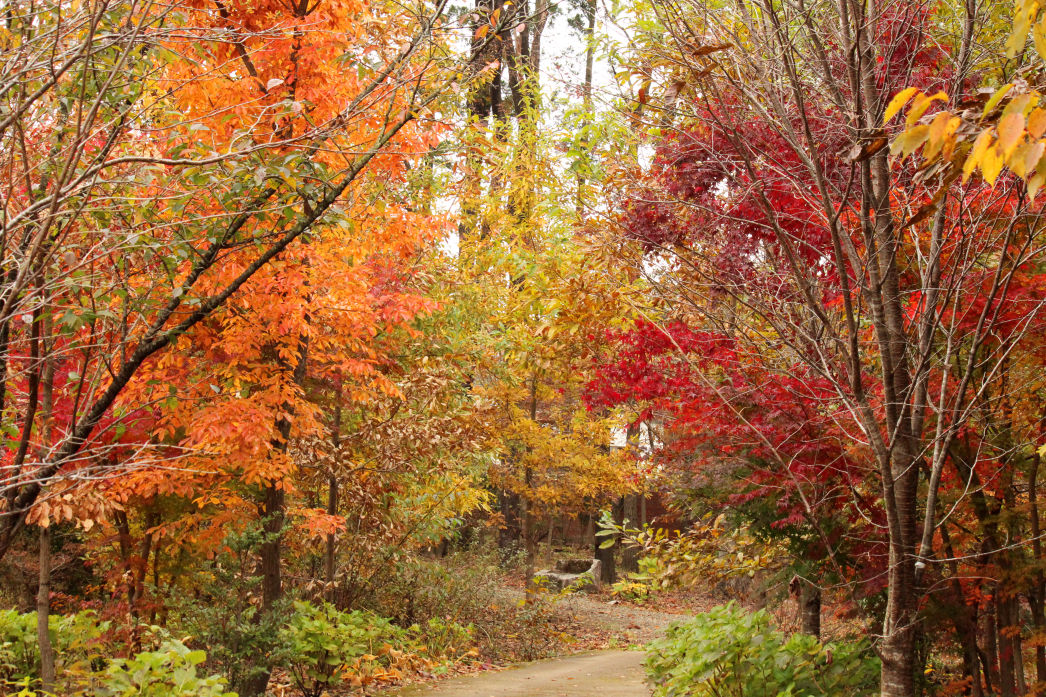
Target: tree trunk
pixel 156 617
pixel 587 522
pixel 43 591
pixel 328 555
pixel 810 608
pixel 589 9
pixel 273 512
pixel 990 659
pixel 629 553
pixel 270 552
pixel 43 613
pixel 971 665
pixel 606 558
pixel 551 546
pixel 1037 596
pixel 1012 626
pixel 1009 646
pixel 511 532
pixel 964 618
pixel 899 623
pixel 269 560
pixel 332 496
pixel 530 543
pixel 898 657
pixel 529 533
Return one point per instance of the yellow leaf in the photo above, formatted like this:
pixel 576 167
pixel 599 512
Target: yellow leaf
pixel 921 104
pixel 898 101
pixel 1039 35
pixel 991 164
pixel 1037 123
pixel 980 146
pixel 1011 130
pixel 1026 158
pixel 995 99
pixel 909 141
pixel 1021 103
pixel 1019 34
pixel 1034 184
pixel 482 31
pixel 942 128
pixel 949 136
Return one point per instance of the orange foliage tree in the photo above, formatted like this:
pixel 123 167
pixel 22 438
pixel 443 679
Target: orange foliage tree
pixel 192 152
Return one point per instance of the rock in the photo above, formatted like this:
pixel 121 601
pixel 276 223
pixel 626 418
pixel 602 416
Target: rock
pixel 580 574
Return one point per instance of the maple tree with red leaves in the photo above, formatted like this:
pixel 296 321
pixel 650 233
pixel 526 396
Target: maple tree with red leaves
pixel 832 317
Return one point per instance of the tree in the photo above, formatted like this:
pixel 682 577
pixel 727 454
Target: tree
pixel 126 227
pixel 776 211
pixel 748 438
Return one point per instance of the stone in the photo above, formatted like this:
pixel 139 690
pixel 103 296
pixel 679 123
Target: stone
pixel 580 574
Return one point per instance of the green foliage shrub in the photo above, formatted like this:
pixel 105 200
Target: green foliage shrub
pixel 442 638
pixel 322 645
pixel 629 589
pixel 729 651
pixel 76 640
pixel 223 615
pixel 240 644
pixel 84 666
pixel 170 671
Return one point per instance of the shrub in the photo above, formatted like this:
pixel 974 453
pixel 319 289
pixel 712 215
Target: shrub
pixel 729 651
pixel 321 645
pixel 223 615
pixel 468 589
pixel 169 671
pixel 83 668
pixel 631 590
pixel 240 643
pixel 444 638
pixel 76 640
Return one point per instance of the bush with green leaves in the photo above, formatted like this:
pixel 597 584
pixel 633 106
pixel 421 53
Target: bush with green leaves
pixel 76 638
pixel 223 615
pixel 84 666
pixel 321 645
pixel 170 671
pixel 629 589
pixel 445 639
pixel 730 651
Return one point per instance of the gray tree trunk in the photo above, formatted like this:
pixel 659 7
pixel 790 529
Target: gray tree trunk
pixel 43 614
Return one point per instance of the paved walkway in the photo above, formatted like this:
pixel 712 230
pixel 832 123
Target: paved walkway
pixel 595 674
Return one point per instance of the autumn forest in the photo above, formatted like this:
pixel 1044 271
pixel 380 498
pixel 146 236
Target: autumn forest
pixel 370 346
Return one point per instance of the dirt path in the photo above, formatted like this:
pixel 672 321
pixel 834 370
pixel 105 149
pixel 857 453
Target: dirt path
pixel 610 673
pixel 634 625
pixel 595 674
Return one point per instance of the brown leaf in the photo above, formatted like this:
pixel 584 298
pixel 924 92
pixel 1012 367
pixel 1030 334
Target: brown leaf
pixel 705 50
